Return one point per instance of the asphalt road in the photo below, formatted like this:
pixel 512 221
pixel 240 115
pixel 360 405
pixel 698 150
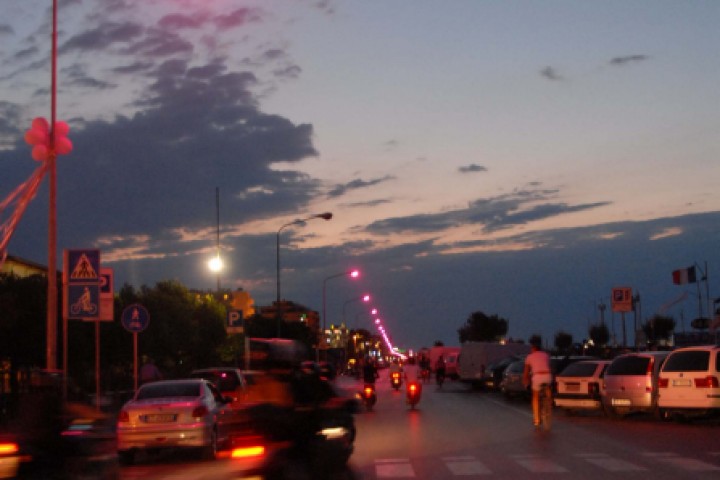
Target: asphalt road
pixel 457 433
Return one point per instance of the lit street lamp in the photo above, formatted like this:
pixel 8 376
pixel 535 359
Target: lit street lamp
pixel 351 274
pixel 215 264
pixel 364 298
pixel 299 221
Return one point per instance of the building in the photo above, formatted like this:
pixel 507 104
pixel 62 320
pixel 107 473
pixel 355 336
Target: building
pixel 292 312
pixel 23 268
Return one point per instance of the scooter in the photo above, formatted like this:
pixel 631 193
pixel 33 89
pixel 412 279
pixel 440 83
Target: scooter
pixel 413 391
pixel 367 396
pixel 396 380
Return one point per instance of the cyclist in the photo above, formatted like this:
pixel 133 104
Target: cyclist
pixel 537 373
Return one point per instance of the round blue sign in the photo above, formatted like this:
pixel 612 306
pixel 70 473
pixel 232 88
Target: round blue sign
pixel 135 318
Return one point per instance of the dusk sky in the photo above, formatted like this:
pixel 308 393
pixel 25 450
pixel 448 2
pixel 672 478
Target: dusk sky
pixel 519 158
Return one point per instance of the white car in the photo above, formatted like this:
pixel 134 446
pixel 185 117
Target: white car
pixel 579 385
pixel 689 382
pixel 172 414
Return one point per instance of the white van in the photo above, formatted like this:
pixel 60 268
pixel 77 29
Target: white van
pixel 689 382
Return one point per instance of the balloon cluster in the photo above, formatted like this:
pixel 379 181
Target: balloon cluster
pixel 39 137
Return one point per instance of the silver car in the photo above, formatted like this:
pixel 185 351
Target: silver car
pixel 631 383
pixel 171 414
pixel 579 385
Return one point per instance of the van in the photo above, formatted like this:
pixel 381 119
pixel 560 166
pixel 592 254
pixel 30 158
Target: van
pixel 630 383
pixel 689 382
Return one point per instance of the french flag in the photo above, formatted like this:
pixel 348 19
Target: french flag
pixel 684 275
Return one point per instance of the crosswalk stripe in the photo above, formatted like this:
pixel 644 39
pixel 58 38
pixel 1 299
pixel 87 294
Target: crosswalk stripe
pixel 610 464
pixel 462 466
pixel 538 464
pixel 394 468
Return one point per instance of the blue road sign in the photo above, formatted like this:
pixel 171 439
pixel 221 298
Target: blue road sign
pixel 82 274
pixel 135 318
pixel 234 318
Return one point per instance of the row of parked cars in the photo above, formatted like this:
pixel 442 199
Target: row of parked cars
pixel 681 383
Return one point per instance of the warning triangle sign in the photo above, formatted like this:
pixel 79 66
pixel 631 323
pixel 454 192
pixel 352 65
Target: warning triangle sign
pixel 84 269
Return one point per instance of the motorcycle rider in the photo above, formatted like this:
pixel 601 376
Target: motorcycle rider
pixel 370 373
pixel 440 370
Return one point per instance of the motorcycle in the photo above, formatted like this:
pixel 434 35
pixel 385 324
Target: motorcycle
pixel 367 396
pixel 396 380
pixel 413 391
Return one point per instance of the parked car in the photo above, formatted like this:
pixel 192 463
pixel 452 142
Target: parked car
pixel 230 381
pixel 493 375
pixel 630 383
pixel 171 414
pixel 689 382
pixel 512 383
pixel 579 385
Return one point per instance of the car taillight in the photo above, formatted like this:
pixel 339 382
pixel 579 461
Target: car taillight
pixel 663 382
pixel 593 388
pixel 248 452
pixel 124 416
pixel 707 382
pixel 413 388
pixel 8 448
pixel 199 412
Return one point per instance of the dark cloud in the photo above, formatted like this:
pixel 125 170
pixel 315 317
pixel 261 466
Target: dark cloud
pixel 620 61
pixel 178 21
pixel 290 72
pixel 103 36
pixel 135 67
pixel 237 18
pixel 368 204
pixel 160 43
pixel 472 168
pixel 340 190
pixel 9 121
pixel 6 30
pixel 551 74
pixel 492 214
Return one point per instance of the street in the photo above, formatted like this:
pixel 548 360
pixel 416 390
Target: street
pixel 459 433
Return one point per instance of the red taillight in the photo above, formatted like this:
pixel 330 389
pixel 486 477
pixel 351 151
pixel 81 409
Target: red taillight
pixel 707 382
pixel 593 388
pixel 413 388
pixel 663 382
pixel 124 416
pixel 8 448
pixel 199 411
pixel 368 391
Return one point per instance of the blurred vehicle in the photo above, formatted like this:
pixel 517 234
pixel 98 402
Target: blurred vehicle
pixel 560 363
pixel 450 355
pixel 413 392
pixel 44 437
pixel 367 396
pixel 476 357
pixel 171 414
pixel 689 382
pixel 493 374
pixel 512 383
pixel 230 381
pixel 324 369
pixel 396 380
pixel 579 385
pixel 630 383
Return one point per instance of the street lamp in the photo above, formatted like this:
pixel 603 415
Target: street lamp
pixel 299 221
pixel 215 264
pixel 364 298
pixel 351 274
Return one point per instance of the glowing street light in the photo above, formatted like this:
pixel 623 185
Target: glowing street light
pixel 299 221
pixel 351 274
pixel 364 298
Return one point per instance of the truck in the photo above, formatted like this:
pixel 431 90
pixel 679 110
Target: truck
pixel 476 356
pixel 450 355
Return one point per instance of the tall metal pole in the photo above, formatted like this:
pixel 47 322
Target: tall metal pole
pixel 51 348
pixel 217 243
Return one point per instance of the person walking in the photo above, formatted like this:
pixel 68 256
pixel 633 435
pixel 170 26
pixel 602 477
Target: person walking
pixel 538 375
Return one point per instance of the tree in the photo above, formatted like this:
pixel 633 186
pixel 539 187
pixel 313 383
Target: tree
pixel 599 334
pixel 659 327
pixel 482 328
pixel 438 343
pixel 563 342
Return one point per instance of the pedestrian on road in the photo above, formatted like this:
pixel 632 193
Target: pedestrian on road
pixel 537 374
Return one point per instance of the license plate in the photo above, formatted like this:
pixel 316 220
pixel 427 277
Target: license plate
pixel 572 387
pixel 621 402
pixel 685 382
pixel 160 418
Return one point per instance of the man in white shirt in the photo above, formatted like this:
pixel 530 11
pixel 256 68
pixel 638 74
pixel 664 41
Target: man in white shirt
pixel 538 374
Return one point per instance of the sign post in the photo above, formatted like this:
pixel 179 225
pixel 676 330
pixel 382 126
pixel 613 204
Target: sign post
pixel 135 319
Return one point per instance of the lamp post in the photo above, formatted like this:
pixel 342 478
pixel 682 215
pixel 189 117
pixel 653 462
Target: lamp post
pixel 364 298
pixel 299 221
pixel 215 263
pixel 351 274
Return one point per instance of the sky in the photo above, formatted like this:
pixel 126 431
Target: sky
pixel 518 158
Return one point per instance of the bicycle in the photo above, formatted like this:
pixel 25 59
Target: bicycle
pixel 545 405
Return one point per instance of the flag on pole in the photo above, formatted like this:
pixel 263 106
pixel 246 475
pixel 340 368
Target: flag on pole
pixel 684 275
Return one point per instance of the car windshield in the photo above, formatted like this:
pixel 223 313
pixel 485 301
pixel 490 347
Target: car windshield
pixel 579 369
pixel 164 390
pixel 225 381
pixel 690 361
pixel 630 365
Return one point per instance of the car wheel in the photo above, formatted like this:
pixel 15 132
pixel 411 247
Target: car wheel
pixel 126 457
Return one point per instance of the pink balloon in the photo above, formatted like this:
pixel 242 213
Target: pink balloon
pixel 40 153
pixel 62 128
pixel 41 124
pixel 63 145
pixel 35 137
